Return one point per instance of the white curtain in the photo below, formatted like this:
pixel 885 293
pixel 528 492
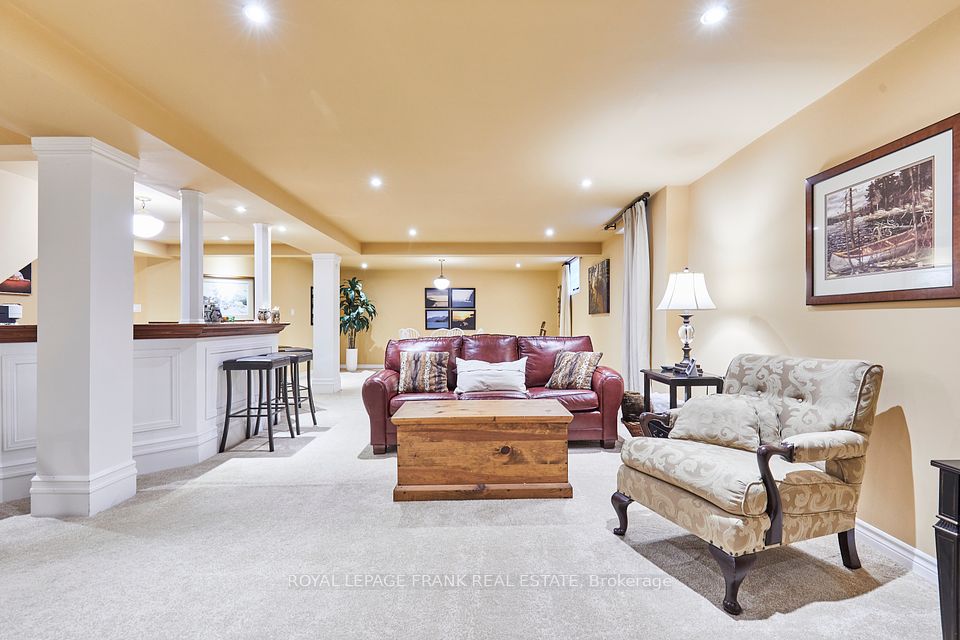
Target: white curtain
pixel 636 296
pixel 566 321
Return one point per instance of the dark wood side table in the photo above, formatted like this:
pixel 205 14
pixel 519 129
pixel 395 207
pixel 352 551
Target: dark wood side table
pixel 674 381
pixel 948 552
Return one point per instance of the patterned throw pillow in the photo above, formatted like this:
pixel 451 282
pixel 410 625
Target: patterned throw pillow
pixel 727 420
pixel 574 369
pixel 423 371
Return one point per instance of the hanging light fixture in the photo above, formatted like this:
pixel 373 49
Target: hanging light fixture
pixel 441 282
pixel 144 224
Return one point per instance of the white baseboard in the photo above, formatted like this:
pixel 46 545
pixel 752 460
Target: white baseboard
pixel 365 367
pixel 326 385
pixel 180 451
pixel 61 496
pixel 902 553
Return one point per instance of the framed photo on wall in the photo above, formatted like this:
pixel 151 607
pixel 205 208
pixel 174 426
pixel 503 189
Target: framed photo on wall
pixel 464 298
pixel 19 283
pixel 436 298
pixel 884 226
pixel 599 281
pixel 233 295
pixel 465 319
pixel 436 319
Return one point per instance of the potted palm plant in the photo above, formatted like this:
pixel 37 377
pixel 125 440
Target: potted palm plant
pixel 356 313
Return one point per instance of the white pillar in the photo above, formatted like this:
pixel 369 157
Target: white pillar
pixel 326 322
pixel 85 335
pixel 191 256
pixel 262 256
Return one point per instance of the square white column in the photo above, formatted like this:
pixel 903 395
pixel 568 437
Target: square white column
pixel 262 260
pixel 326 322
pixel 191 256
pixel 85 333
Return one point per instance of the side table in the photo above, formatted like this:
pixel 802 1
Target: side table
pixel 948 552
pixel 674 381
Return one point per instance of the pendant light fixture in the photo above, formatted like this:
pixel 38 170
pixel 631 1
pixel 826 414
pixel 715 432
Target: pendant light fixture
pixel 144 224
pixel 441 282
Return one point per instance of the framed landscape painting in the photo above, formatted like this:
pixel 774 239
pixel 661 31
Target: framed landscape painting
pixel 465 319
pixel 599 281
pixel 463 298
pixel 436 298
pixel 436 319
pixel 884 226
pixel 234 296
pixel 19 283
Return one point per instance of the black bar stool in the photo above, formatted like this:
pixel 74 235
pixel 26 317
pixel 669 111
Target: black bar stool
pixel 298 356
pixel 267 364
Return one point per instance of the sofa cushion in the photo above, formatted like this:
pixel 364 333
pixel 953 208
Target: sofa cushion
pixel 574 369
pixel 494 395
pixel 727 420
pixel 391 358
pixel 490 348
pixel 477 375
pixel 397 401
pixel 572 399
pixel 423 372
pixel 541 353
pixel 730 478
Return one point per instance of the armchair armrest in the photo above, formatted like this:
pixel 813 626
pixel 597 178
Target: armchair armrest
pixel 827 445
pixel 663 423
pixel 774 534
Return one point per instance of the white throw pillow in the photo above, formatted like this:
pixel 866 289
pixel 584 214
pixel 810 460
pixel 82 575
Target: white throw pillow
pixel 477 375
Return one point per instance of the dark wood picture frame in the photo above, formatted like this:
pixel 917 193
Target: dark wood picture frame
pixel 426 318
pixel 455 305
pixel 428 301
pixel 934 293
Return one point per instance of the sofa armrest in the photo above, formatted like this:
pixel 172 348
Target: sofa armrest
pixel 378 390
pixel 774 534
pixel 608 385
pixel 827 445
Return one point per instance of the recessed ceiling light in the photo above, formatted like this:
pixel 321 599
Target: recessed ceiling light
pixel 225 238
pixel 586 183
pixel 714 14
pixel 518 265
pixel 363 265
pixel 376 182
pixel 240 209
pixel 256 13
pixel 549 232
pixel 412 232
pixel 281 228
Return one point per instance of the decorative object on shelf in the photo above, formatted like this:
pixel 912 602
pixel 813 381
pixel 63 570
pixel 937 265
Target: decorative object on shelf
pixel 20 283
pixel 10 313
pixel 212 313
pixel 144 224
pixel 436 319
pixel 232 295
pixel 881 227
pixel 465 298
pixel 356 313
pixel 598 277
pixel 440 282
pixel 465 319
pixel 686 292
pixel 263 314
pixel 275 314
pixel 436 298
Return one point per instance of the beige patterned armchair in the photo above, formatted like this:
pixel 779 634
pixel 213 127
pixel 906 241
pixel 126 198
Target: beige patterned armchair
pixel 803 482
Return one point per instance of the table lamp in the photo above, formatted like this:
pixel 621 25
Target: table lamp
pixel 686 292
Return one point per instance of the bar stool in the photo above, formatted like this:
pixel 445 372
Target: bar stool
pixel 298 356
pixel 269 364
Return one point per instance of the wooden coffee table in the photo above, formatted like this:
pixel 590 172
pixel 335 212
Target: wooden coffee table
pixel 481 449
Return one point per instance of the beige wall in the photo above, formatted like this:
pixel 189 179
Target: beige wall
pixel 18 236
pixel 747 234
pixel 510 302
pixel 157 290
pixel 605 329
pixel 668 216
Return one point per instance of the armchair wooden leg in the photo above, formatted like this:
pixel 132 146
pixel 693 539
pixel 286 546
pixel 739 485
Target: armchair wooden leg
pixel 620 503
pixel 848 549
pixel 734 569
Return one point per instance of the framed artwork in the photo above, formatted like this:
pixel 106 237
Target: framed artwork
pixel 436 319
pixel 19 283
pixel 234 296
pixel 465 319
pixel 599 281
pixel 884 226
pixel 463 298
pixel 436 298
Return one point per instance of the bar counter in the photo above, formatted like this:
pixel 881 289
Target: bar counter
pixel 179 394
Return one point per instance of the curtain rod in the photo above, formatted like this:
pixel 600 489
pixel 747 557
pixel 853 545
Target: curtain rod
pixel 615 219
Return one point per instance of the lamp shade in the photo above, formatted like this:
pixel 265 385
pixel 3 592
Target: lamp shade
pixel 686 291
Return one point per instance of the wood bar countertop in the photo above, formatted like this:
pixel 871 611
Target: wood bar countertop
pixel 162 330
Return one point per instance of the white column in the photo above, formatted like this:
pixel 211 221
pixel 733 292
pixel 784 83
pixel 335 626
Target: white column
pixel 85 335
pixel 261 266
pixel 326 322
pixel 191 256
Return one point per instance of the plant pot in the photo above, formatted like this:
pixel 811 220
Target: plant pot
pixel 351 359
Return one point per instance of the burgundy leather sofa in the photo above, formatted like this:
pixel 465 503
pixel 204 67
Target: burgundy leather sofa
pixel 594 410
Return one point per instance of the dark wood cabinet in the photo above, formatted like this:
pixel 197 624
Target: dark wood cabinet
pixel 948 553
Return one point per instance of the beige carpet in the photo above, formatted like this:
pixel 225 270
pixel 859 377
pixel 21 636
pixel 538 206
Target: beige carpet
pixel 210 552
